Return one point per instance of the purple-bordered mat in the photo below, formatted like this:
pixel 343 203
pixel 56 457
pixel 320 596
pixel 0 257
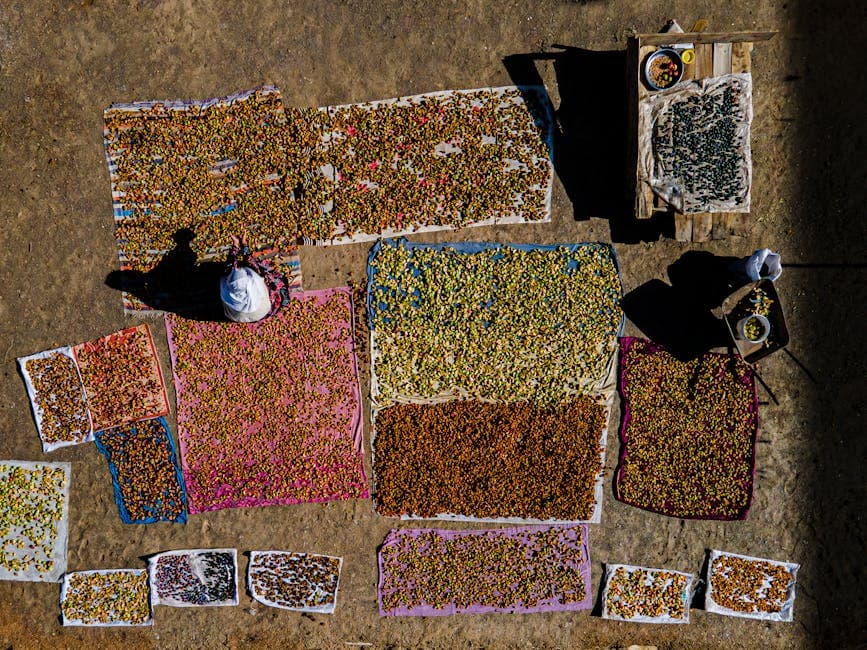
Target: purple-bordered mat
pixel 688 433
pixel 433 572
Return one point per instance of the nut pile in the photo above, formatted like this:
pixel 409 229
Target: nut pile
pixel 33 514
pixel 60 400
pixel 502 323
pixel 145 472
pixel 635 592
pixel 762 302
pixel 296 581
pixel 489 460
pixel 753 329
pixel 688 433
pixel 441 572
pixel 750 586
pixel 702 141
pixel 115 597
pixel 122 378
pixel 270 412
pixel 193 578
pixel 444 159
pixel 214 168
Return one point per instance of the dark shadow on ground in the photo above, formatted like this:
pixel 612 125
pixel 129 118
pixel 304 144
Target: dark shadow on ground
pixel 591 136
pixel 599 603
pixel 177 284
pixel 828 140
pixel 678 316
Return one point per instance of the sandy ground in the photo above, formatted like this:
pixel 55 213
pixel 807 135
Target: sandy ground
pixel 62 63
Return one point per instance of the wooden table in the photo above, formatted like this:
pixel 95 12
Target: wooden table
pixel 738 305
pixel 715 54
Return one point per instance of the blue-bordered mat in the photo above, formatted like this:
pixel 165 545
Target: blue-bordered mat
pixel 493 322
pixel 148 483
pixel 539 327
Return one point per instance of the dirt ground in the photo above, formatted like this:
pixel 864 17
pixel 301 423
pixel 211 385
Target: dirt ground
pixel 62 63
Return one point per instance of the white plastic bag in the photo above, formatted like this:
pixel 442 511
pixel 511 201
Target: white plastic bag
pixel 764 264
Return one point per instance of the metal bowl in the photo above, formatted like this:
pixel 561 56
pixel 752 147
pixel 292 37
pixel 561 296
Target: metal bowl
pixel 670 53
pixel 764 325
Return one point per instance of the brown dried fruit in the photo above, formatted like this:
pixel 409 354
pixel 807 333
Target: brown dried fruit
pixel 122 378
pixel 749 586
pixel 489 460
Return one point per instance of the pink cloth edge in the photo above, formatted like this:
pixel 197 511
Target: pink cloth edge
pixel 356 426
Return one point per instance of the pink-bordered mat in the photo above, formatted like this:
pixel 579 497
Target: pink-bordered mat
pixel 269 413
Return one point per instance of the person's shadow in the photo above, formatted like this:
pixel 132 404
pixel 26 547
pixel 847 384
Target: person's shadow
pixel 591 147
pixel 679 316
pixel 178 283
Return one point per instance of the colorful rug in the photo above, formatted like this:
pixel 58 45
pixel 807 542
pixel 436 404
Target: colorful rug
pixel 296 581
pixel 688 433
pixel 520 570
pixel 148 484
pixel 437 161
pixel 492 321
pixel 34 520
pixel 201 577
pixel 270 412
pixel 108 382
pixel 122 378
pixel 508 463
pixel 187 174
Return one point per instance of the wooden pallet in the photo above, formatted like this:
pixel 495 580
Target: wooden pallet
pixel 715 54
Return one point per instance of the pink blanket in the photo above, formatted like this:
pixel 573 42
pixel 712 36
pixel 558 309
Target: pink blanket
pixel 270 412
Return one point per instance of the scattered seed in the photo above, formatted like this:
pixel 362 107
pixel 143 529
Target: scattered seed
pixel 503 323
pixel 750 585
pixel 639 593
pixel 438 160
pixel 688 433
pixel 270 412
pixel 104 598
pixel 144 469
pixel 701 141
pixel 195 578
pixel 295 581
pixel 33 515
pixel 59 400
pixel 246 163
pixel 122 378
